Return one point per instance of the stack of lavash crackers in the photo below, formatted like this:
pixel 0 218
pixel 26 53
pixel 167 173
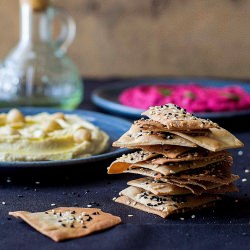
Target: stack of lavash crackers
pixel 182 158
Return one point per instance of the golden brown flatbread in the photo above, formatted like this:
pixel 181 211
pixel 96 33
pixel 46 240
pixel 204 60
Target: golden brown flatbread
pixel 176 118
pixel 125 161
pixel 68 222
pixel 218 139
pixel 151 125
pixel 135 137
pixel 165 204
pixel 129 202
pixel 195 154
pixel 164 165
pixel 169 151
pixel 162 188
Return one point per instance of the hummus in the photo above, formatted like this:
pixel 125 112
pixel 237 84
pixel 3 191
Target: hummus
pixel 47 137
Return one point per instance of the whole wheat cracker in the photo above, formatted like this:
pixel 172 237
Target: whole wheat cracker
pixel 176 118
pixel 166 204
pixel 135 137
pixel 68 222
pixel 163 188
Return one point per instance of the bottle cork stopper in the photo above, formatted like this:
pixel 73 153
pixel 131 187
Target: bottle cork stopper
pixel 37 5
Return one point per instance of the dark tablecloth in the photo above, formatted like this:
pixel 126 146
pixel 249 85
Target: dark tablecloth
pixel 227 226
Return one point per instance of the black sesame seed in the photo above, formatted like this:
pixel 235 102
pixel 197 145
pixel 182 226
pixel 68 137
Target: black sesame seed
pixel 63 225
pixel 73 212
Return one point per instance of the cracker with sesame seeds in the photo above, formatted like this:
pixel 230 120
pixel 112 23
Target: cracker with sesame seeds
pixel 165 204
pixel 125 161
pixel 135 137
pixel 194 186
pixel 192 155
pixel 216 140
pixel 68 222
pixel 219 172
pixel 170 168
pixel 169 151
pixel 163 165
pixel 163 188
pixel 151 125
pixel 176 118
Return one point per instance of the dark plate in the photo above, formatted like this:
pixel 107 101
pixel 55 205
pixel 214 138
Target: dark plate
pixel 107 97
pixel 113 126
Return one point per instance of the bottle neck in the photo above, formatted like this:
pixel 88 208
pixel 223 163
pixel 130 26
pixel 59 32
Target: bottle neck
pixel 35 25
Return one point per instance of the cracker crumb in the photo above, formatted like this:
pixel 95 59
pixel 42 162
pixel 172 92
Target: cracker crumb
pixel 240 153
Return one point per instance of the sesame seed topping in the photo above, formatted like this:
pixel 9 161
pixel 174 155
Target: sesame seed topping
pixel 3 203
pixel 130 215
pixel 244 180
pixel 52 204
pixel 247 170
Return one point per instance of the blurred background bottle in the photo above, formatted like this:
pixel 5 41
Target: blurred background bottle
pixel 37 72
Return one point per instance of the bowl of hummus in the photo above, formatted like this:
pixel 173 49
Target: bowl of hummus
pixel 29 135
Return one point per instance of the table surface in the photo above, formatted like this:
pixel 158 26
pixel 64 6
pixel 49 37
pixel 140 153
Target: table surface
pixel 227 226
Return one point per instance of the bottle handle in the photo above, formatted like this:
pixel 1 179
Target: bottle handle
pixel 68 29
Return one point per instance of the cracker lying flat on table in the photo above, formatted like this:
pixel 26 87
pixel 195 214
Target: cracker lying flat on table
pixel 68 222
pixel 135 137
pixel 176 118
pixel 166 205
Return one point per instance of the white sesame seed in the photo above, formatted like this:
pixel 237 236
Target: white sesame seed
pixel 114 199
pixel 244 180
pixel 89 205
pixel 236 201
pixel 247 170
pixel 3 202
pixel 182 218
pixel 193 216
pixel 130 215
pixel 37 182
pixel 240 153
pixel 52 204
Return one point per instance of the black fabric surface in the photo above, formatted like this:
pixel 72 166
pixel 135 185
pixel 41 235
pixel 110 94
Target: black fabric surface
pixel 227 226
